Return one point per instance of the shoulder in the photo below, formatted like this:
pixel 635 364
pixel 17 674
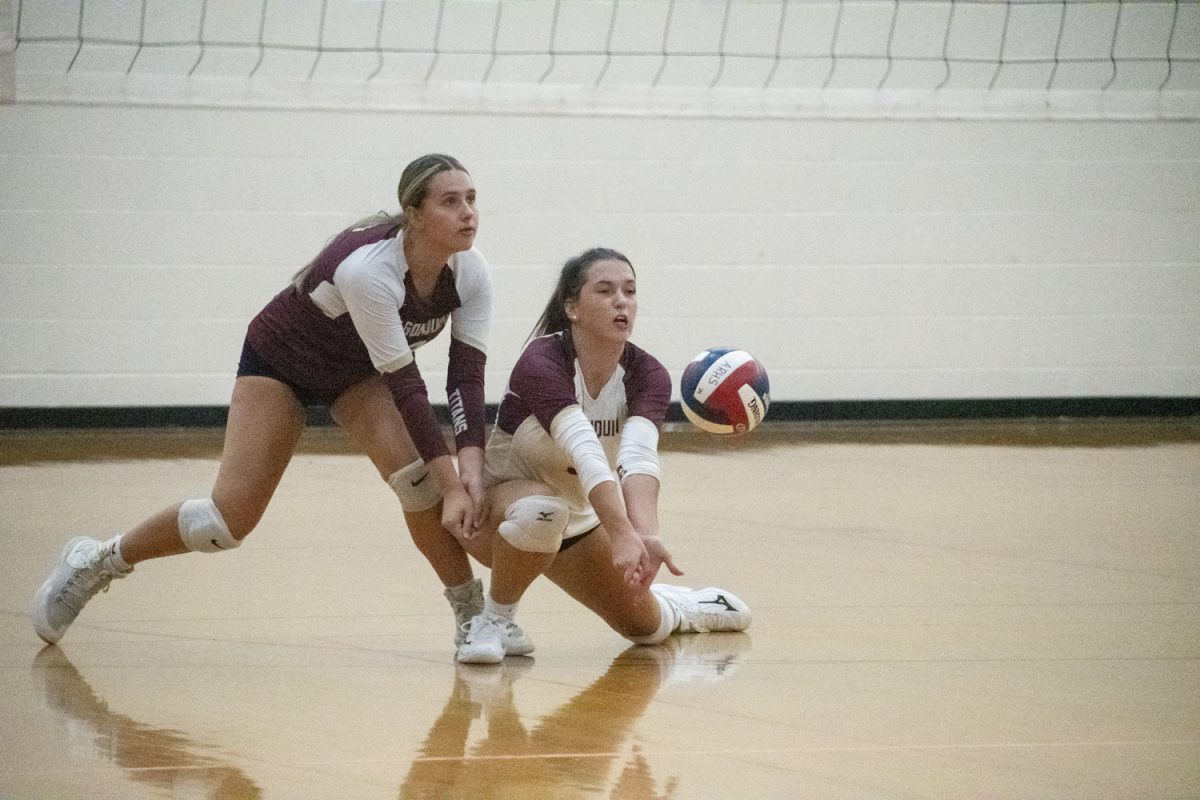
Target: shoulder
pixel 645 376
pixel 470 266
pixel 372 243
pixel 545 355
pixel 469 260
pixel 552 346
pixel 635 360
pixel 472 276
pixel 366 254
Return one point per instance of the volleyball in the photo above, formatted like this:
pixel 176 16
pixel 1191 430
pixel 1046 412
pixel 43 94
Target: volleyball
pixel 725 391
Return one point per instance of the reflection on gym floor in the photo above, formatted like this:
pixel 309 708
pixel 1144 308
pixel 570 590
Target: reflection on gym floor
pixel 576 746
pixel 585 747
pixel 165 760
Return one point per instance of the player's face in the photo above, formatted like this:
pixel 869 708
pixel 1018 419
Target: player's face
pixel 447 217
pixel 607 303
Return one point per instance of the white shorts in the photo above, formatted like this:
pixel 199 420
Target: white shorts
pixel 503 462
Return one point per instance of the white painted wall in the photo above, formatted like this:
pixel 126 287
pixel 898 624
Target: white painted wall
pixel 857 259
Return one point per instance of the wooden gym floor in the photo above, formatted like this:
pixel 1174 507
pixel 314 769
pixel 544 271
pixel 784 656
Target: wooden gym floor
pixel 941 611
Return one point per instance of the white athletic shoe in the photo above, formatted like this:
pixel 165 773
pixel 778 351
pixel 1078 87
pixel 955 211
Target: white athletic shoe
pixel 484 643
pixel 516 643
pixel 465 609
pixel 84 569
pixel 705 610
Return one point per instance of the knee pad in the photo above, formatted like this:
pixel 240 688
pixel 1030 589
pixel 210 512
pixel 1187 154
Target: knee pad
pixel 535 524
pixel 415 486
pixel 203 529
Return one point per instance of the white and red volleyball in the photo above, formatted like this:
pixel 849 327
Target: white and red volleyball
pixel 725 391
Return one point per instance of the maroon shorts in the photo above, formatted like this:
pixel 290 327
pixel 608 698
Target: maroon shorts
pixel 251 363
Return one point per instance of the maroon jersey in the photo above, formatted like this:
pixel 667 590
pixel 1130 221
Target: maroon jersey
pixel 357 314
pixel 546 380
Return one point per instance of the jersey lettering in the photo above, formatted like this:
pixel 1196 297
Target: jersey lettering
pixel 606 427
pixel 458 415
pixel 423 330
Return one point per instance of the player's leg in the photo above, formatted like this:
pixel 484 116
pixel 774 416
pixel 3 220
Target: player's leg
pixel 529 524
pixel 525 531
pixel 369 415
pixel 264 425
pixel 265 421
pixel 586 572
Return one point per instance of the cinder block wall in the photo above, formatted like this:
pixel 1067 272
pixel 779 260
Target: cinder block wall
pixel 860 260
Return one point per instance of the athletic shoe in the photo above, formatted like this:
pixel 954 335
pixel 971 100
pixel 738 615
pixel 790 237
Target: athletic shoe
pixel 465 609
pixel 484 643
pixel 516 641
pixel 85 568
pixel 705 610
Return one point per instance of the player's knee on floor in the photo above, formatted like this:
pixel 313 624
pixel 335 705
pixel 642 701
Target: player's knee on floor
pixel 415 486
pixel 668 620
pixel 203 529
pixel 535 523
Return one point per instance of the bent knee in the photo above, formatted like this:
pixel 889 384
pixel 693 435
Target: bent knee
pixel 241 515
pixel 202 527
pixel 633 620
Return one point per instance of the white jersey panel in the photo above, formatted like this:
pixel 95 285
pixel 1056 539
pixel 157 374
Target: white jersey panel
pixel 470 323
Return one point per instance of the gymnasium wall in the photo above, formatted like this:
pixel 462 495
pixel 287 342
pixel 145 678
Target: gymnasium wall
pixel 860 258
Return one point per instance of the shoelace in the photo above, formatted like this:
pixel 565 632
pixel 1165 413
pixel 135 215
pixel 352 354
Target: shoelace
pixel 490 623
pixel 76 592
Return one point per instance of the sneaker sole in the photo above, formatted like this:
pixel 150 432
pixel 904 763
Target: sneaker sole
pixel 478 658
pixel 518 649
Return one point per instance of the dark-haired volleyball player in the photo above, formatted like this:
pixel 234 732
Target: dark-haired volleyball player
pixel 572 471
pixel 343 335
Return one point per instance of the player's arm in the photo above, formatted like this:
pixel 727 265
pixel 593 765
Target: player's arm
pixel 469 327
pixel 373 302
pixel 638 466
pixel 470 324
pixel 649 387
pixel 575 435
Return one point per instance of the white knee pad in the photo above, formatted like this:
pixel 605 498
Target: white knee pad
pixel 203 529
pixel 536 523
pixel 415 486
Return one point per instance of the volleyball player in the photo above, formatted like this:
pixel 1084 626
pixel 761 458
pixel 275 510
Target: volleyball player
pixel 342 335
pixel 572 470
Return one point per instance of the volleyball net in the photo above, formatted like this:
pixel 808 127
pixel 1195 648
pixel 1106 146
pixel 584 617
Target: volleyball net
pixel 1040 59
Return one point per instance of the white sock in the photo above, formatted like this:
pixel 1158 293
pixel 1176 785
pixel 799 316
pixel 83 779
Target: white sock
pixel 114 555
pixel 500 610
pixel 668 621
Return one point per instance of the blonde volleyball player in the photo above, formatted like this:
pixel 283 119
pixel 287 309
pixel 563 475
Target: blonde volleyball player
pixel 573 473
pixel 343 335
